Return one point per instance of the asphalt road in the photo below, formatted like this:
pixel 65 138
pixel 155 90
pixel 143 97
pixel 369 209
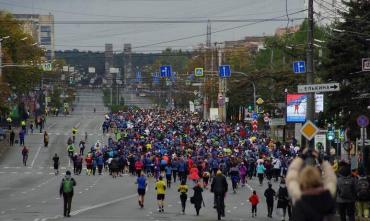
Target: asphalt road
pixel 31 192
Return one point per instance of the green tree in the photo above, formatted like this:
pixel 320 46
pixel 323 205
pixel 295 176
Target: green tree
pixel 343 64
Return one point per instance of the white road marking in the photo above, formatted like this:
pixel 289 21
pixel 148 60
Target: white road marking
pixel 34 159
pixel 28 206
pixel 78 124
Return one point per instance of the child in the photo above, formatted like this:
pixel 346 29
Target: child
pixel 254 200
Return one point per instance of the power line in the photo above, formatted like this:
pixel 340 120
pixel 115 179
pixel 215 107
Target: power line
pixel 201 35
pixel 119 16
pixel 194 21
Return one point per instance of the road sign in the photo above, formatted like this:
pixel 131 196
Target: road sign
pixel 309 130
pixel 91 70
pixel 362 121
pixel 277 122
pixel 166 71
pixel 299 67
pixel 198 72
pixel 224 71
pixel 366 64
pixel 320 141
pixel 254 115
pixel 46 67
pixel 316 88
pixel 259 101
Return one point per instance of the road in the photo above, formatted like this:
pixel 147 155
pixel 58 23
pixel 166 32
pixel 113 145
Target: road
pixel 131 99
pixel 31 192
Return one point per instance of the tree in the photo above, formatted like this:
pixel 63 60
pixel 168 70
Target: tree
pixel 17 52
pixel 343 64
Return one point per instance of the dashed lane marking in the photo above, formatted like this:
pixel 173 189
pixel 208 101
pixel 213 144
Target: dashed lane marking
pixel 34 159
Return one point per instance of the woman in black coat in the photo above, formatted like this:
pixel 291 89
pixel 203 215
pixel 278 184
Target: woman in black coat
pixel 197 198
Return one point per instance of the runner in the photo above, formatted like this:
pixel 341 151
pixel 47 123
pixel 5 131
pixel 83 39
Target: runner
pixel 46 139
pixel 160 187
pixel 183 189
pixel 141 188
pixel 25 152
pixel 56 164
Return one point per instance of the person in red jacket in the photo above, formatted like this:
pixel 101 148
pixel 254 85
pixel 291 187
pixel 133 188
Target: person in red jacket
pixel 138 167
pixel 254 200
pixel 89 161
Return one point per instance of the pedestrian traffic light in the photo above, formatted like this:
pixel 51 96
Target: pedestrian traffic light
pixel 70 80
pixel 330 135
pixel 250 109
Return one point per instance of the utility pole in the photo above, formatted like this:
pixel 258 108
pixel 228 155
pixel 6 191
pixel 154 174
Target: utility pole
pixel 1 58
pixel 207 67
pixel 310 66
pixel 221 91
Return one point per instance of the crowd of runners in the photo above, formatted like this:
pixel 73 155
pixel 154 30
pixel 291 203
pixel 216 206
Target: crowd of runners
pixel 172 146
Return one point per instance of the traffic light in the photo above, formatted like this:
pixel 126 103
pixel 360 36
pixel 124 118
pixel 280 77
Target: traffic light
pixel 71 80
pixel 330 135
pixel 250 109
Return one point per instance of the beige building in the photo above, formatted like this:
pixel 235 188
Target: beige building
pixel 41 28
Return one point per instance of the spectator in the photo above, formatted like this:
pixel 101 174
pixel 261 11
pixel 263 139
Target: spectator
pixel 312 194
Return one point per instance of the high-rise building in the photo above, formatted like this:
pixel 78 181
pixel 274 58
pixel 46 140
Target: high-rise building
pixel 41 28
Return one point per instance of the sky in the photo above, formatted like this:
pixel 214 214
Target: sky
pixel 149 37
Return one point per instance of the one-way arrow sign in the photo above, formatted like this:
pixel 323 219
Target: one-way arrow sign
pixel 316 88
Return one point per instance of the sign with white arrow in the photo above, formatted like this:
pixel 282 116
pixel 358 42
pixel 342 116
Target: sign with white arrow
pixel 317 88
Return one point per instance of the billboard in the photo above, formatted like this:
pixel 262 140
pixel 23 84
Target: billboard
pixel 296 108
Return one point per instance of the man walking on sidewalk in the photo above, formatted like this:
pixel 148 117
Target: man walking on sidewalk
pixel 66 189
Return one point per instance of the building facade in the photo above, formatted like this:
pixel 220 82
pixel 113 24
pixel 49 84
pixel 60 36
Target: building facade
pixel 41 28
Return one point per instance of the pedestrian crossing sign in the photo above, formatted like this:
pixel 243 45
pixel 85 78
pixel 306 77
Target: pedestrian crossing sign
pixel 199 72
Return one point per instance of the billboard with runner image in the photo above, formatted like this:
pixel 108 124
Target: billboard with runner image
pixel 296 108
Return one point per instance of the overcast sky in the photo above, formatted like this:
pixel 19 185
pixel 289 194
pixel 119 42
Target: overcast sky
pixel 94 36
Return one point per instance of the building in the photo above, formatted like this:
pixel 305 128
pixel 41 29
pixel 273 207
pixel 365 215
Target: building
pixel 252 43
pixel 282 31
pixel 127 63
pixel 41 28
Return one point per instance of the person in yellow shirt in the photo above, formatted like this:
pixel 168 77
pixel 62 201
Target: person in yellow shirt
pixel 160 187
pixel 183 189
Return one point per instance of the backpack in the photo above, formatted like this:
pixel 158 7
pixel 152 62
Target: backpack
pixel 363 191
pixel 346 188
pixel 67 185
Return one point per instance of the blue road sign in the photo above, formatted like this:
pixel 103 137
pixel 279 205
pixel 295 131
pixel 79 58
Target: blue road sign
pixel 138 76
pixel 299 67
pixel 166 71
pixel 224 71
pixel 362 121
pixel 254 115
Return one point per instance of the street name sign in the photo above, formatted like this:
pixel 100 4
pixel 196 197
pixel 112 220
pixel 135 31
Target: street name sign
pixel 224 71
pixel 299 67
pixel 317 88
pixel 309 130
pixel 366 64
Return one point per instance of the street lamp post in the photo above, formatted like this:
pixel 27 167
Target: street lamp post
pixel 254 87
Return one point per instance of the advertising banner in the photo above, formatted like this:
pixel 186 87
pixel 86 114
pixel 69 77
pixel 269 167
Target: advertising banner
pixel 296 108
